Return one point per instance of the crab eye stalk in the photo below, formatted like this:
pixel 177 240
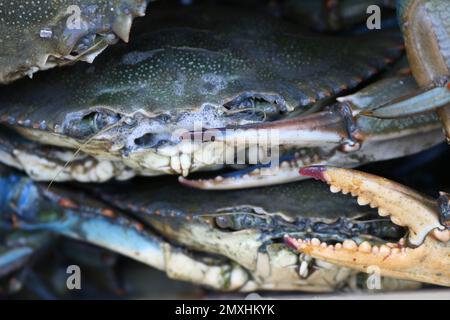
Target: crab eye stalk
pixel 444 208
pixel 85 126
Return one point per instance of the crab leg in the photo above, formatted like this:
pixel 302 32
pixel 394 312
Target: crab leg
pixel 428 261
pixel 426 101
pixel 15 253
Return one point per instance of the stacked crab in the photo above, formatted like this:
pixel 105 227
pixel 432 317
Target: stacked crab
pixel 194 90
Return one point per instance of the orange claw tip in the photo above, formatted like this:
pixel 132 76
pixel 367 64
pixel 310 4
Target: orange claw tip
pixel 189 183
pixel 291 242
pixel 315 172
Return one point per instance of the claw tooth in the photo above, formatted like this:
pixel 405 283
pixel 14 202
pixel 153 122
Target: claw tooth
pixel 382 212
pixel 335 189
pixel 219 179
pixel 285 165
pixel 256 171
pixel 122 27
pixel 397 221
pixel 175 164
pixel 185 162
pixel 315 242
pixel 443 236
pixel 345 191
pixel 363 201
pixel 375 249
pixel 365 247
pixel 385 249
pixel 349 245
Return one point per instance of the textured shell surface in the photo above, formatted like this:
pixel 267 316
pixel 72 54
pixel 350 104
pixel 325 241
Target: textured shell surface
pixel 41 34
pixel 180 66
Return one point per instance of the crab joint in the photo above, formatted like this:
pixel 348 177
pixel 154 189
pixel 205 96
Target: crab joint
pixel 428 261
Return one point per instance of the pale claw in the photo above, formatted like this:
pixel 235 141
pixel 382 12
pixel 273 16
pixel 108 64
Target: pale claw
pixel 326 128
pixel 429 262
pixel 253 177
pixel 405 206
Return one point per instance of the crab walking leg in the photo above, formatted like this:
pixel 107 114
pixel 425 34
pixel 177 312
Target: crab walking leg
pixel 428 262
pixel 17 248
pixel 124 238
pixel 36 209
pixel 426 101
pixel 426 30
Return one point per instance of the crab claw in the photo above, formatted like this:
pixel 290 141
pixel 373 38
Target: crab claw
pixel 428 262
pixel 333 128
pixel 252 177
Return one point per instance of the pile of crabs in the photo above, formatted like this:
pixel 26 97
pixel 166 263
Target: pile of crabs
pixel 93 168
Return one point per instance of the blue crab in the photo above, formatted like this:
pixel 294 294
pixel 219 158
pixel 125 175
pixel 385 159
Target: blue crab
pixel 185 67
pixel 228 243
pixel 91 128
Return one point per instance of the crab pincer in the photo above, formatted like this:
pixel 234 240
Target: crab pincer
pixel 425 253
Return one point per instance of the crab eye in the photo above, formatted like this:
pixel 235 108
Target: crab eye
pixel 90 124
pixel 97 121
pixel 224 222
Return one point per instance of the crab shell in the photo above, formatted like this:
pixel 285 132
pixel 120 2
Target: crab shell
pixel 40 35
